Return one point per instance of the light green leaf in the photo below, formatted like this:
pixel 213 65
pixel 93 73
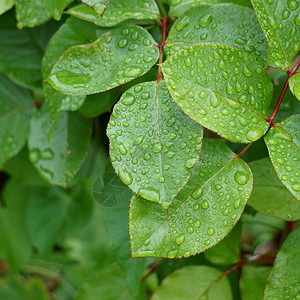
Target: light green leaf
pixel 119 56
pixel 153 144
pixel 6 5
pixel 72 33
pixel 178 7
pixel 294 83
pixel 198 25
pixel 253 282
pixel 118 11
pixel 284 282
pixel 280 21
pixel 16 109
pixel 58 158
pixel 193 283
pixel 55 7
pixel 98 5
pixel 45 214
pixel 228 250
pixel 283 142
pixel 201 215
pixel 221 88
pixel 269 195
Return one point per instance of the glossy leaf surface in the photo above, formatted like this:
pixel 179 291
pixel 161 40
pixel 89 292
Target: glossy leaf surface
pixel 55 7
pixel 219 23
pixel 119 56
pixel 153 144
pixel 294 83
pixel 16 109
pixel 283 142
pixel 193 283
pixel 59 156
pixel 280 21
pixel 269 195
pixel 119 11
pixel 222 88
pixel 285 276
pixel 98 5
pixel 201 215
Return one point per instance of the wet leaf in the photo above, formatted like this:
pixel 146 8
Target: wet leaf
pixel 6 5
pixel 283 142
pixel 281 28
pixel 201 215
pixel 98 5
pixel 153 144
pixel 294 83
pixel 56 7
pixel 222 88
pixel 119 56
pixel 219 23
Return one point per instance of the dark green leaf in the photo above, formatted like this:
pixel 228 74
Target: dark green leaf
pixel 201 215
pixel 222 88
pixel 269 195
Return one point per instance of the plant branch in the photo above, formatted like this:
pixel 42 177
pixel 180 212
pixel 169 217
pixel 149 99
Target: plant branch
pixel 161 8
pixel 244 150
pixel 153 268
pixel 290 74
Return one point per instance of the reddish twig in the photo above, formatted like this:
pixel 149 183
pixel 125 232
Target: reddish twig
pixel 244 150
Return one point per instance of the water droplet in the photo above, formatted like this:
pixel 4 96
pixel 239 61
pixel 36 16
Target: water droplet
pixel 190 229
pixel 205 20
pixel 133 71
pixel 122 149
pixel 210 231
pixel 197 223
pixel 128 99
pixel 198 193
pixel 237 203
pixel 157 148
pixel 254 134
pixel 214 100
pixel 183 23
pixel 246 71
pixel 34 155
pixel 190 162
pixel 47 154
pixel 205 204
pixel 241 41
pixel 125 176
pixel 241 177
pixel 188 62
pixel 123 43
pixel 138 140
pixel 293 4
pixel 196 207
pixel 150 194
pixel 180 239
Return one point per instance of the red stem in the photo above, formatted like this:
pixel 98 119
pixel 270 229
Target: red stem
pixel 290 74
pixel 244 150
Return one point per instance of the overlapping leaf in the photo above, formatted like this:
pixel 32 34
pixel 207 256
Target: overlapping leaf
pixel 269 195
pixel 294 83
pixel 56 7
pixel 284 282
pixel 58 158
pixel 283 142
pixel 6 5
pixel 201 215
pixel 280 21
pixel 192 283
pixel 16 109
pixel 153 144
pixel 98 5
pixel 118 11
pixel 222 88
pixel 119 56
pixel 220 23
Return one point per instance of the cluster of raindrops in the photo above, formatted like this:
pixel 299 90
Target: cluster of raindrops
pixel 201 218
pixel 222 23
pixel 210 82
pixel 116 58
pixel 153 144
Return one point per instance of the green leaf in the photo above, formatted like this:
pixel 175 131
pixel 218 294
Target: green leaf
pixel 269 195
pixel 284 282
pixel 72 33
pixel 294 83
pixel 46 211
pixel 198 25
pixel 153 144
pixel 281 28
pixel 283 142
pixel 193 283
pixel 16 109
pixel 55 7
pixel 6 5
pixel 253 282
pixel 98 5
pixel 178 7
pixel 14 44
pixel 118 11
pixel 221 88
pixel 119 56
pixel 58 158
pixel 228 250
pixel 201 215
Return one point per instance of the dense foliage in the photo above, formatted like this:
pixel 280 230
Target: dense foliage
pixel 179 117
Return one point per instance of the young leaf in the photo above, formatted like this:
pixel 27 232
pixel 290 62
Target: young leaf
pixel 193 283
pixel 201 215
pixel 16 109
pixel 58 158
pixel 294 83
pixel 153 144
pixel 198 25
pixel 283 142
pixel 221 88
pixel 280 22
pixel 6 5
pixel 119 11
pixel 55 7
pixel 253 282
pixel 285 276
pixel 269 195
pixel 119 56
